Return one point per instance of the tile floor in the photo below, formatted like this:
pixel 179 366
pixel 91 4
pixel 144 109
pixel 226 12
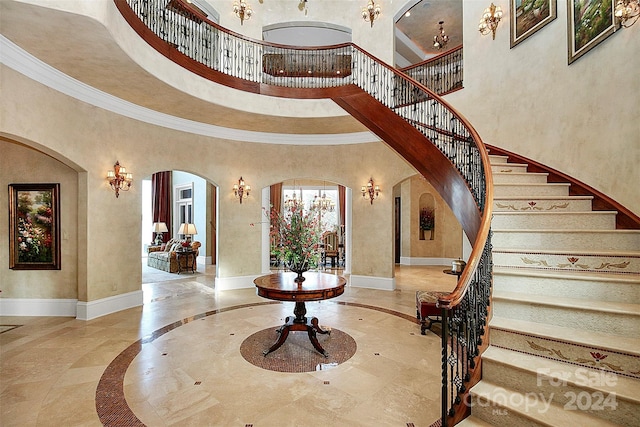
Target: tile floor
pixel 53 370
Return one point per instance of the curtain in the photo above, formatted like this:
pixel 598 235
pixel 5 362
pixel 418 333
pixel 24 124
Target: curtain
pixel 341 217
pixel 161 201
pixel 276 196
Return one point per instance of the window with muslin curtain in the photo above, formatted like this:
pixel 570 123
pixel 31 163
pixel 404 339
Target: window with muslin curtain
pixel 161 201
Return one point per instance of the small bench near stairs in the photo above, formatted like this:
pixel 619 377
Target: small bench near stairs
pixel 426 308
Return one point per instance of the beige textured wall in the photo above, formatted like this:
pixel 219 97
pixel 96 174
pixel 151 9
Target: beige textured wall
pixel 92 140
pixel 20 164
pixel 581 119
pixel 447 241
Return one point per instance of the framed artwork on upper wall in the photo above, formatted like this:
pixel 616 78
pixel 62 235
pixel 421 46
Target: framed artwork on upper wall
pixel 589 23
pixel 529 16
pixel 34 226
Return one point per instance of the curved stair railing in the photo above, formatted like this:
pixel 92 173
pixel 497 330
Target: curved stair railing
pixel 442 74
pixel 410 118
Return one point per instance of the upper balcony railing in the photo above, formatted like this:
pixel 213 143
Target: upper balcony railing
pixel 442 74
pixel 439 138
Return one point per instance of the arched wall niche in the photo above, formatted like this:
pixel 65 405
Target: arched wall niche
pixel 426 213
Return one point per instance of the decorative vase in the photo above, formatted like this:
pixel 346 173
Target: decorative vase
pixel 298 268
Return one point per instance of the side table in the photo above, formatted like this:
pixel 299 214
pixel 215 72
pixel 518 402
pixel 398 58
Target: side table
pixel 189 262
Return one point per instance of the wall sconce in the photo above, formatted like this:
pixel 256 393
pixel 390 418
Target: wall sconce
pixel 627 12
pixel 371 12
pixel 490 19
pixel 370 190
pixel 241 189
pixel 187 230
pixel 440 40
pixel 119 179
pixel 242 10
pixel 159 228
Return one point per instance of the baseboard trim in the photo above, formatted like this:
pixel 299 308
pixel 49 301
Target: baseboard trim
pixel 238 282
pixel 425 261
pixel 382 283
pixel 102 307
pixel 38 307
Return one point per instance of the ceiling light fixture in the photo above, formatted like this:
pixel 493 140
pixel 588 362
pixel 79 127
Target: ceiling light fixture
pixel 440 40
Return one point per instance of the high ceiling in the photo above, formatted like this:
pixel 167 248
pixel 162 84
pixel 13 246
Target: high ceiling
pixel 97 60
pixel 417 28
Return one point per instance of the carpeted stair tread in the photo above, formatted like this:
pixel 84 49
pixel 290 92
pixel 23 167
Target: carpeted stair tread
pixel 578 304
pixel 568 335
pixel 539 413
pixel 625 388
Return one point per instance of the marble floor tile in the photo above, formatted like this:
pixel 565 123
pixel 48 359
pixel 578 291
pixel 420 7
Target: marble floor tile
pixel 192 374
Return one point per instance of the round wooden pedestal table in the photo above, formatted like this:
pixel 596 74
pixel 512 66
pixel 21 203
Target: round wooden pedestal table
pixel 315 287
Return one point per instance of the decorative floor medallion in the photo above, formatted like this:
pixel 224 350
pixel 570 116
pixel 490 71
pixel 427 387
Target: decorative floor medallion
pixel 297 353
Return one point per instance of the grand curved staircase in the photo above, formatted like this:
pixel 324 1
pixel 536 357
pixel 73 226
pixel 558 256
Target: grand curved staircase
pixel 565 302
pixel 565 349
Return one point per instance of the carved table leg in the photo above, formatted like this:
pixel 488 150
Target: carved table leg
pixel 299 323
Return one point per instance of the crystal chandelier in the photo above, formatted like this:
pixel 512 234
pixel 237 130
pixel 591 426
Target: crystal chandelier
pixel 323 202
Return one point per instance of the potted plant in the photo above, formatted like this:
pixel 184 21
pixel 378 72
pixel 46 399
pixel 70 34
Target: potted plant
pixel 427 222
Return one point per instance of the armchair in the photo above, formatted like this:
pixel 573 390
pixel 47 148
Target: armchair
pixel 330 248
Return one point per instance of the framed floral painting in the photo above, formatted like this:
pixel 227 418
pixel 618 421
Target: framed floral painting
pixel 529 16
pixel 590 23
pixel 34 226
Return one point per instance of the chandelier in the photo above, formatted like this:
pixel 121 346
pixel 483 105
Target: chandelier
pixel 323 203
pixel 242 10
pixel 440 40
pixel 371 12
pixel 627 12
pixel 292 203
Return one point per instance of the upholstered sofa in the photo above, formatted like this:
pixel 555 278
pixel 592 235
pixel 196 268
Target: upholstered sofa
pixel 164 257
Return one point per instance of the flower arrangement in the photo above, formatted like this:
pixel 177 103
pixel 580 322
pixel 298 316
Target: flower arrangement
pixel 296 238
pixel 427 219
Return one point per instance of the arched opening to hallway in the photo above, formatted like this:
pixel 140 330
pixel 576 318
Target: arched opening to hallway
pixel 330 201
pixel 174 198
